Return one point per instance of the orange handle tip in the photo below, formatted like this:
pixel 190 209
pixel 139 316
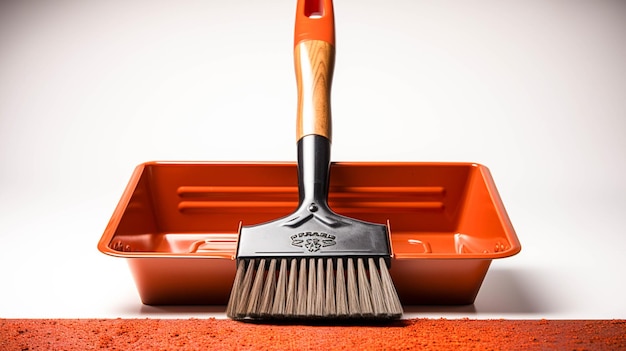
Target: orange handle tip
pixel 315 20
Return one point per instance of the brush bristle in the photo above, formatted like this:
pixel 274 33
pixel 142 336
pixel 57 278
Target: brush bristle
pixel 329 298
pixel 244 292
pixel 341 294
pixel 378 298
pixel 234 299
pixel 278 306
pixel 313 288
pixel 301 297
pixel 269 288
pixel 290 307
pixel 365 291
pixel 392 301
pixel 353 290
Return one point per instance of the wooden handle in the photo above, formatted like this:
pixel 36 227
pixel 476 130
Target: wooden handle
pixel 314 53
pixel 314 62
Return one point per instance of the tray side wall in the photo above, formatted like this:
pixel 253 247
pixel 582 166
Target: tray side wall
pixel 438 281
pixel 183 281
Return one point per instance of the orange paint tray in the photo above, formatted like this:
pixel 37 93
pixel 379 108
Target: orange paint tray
pixel 177 224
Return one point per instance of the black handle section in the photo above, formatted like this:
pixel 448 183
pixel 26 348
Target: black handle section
pixel 313 172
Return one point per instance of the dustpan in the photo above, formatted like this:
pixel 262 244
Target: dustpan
pixel 176 224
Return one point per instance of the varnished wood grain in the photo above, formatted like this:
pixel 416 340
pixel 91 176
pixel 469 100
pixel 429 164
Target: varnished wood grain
pixel 314 63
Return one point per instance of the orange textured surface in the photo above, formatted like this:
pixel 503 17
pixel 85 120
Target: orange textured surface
pixel 212 334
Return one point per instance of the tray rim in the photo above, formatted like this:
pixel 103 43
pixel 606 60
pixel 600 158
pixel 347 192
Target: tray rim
pixel 109 232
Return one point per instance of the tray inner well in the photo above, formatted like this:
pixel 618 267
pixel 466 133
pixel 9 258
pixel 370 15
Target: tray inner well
pixel 195 209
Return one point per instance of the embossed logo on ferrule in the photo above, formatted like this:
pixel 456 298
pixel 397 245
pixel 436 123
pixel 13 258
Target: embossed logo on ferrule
pixel 312 241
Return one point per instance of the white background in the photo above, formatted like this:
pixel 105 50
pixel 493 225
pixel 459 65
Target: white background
pixel 535 90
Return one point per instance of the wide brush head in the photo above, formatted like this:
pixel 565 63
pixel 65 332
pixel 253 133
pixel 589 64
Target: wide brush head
pixel 314 264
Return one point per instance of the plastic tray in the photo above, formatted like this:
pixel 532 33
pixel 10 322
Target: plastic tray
pixel 177 224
